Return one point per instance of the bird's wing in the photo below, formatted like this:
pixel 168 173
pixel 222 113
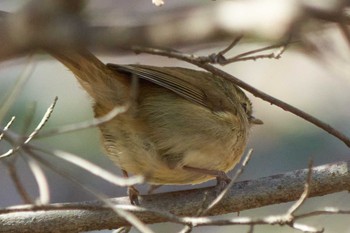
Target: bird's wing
pixel 173 79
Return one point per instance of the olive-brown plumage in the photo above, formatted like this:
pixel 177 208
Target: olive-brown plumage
pixel 184 124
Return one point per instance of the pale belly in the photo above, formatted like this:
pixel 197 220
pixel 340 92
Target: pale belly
pixel 147 163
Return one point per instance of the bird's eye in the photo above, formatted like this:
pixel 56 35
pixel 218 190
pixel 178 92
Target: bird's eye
pixel 244 106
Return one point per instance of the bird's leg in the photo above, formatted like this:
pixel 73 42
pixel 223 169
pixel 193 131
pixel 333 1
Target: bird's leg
pixel 221 177
pixel 132 192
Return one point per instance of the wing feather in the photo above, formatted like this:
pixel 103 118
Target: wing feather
pixel 168 78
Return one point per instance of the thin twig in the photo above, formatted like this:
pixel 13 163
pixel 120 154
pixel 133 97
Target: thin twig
pixel 43 121
pixel 85 125
pixel 305 228
pixel 18 184
pixel 122 230
pixel 202 211
pixel 281 48
pixel 305 193
pixel 7 126
pixel 20 142
pixel 290 215
pixel 219 58
pixel 229 186
pixel 325 211
pixel 11 96
pixel 92 168
pixel 233 44
pixel 186 229
pixel 41 180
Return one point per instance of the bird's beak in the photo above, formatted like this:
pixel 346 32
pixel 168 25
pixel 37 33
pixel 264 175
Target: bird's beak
pixel 255 121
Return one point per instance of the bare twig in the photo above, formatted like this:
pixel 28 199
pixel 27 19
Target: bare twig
pixel 204 209
pixel 325 211
pixel 305 193
pixel 18 184
pixel 276 55
pixel 233 44
pixel 19 140
pixel 219 58
pixel 43 185
pixel 13 93
pixel 7 126
pixel 92 168
pixel 229 186
pixel 84 125
pixel 43 121
pixel 290 215
pixel 186 229
pixel 305 228
pixel 122 230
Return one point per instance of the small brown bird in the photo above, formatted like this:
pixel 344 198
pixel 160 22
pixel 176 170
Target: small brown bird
pixel 185 127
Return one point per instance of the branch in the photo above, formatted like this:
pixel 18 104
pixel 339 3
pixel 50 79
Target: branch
pixel 71 217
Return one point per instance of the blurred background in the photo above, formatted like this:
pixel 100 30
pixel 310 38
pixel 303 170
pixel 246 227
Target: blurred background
pixel 284 143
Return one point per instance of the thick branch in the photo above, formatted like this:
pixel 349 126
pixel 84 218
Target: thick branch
pixel 326 179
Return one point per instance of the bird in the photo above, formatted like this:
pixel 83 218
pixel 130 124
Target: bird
pixel 184 126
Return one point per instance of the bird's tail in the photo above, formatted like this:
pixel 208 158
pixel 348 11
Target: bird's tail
pixel 102 84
